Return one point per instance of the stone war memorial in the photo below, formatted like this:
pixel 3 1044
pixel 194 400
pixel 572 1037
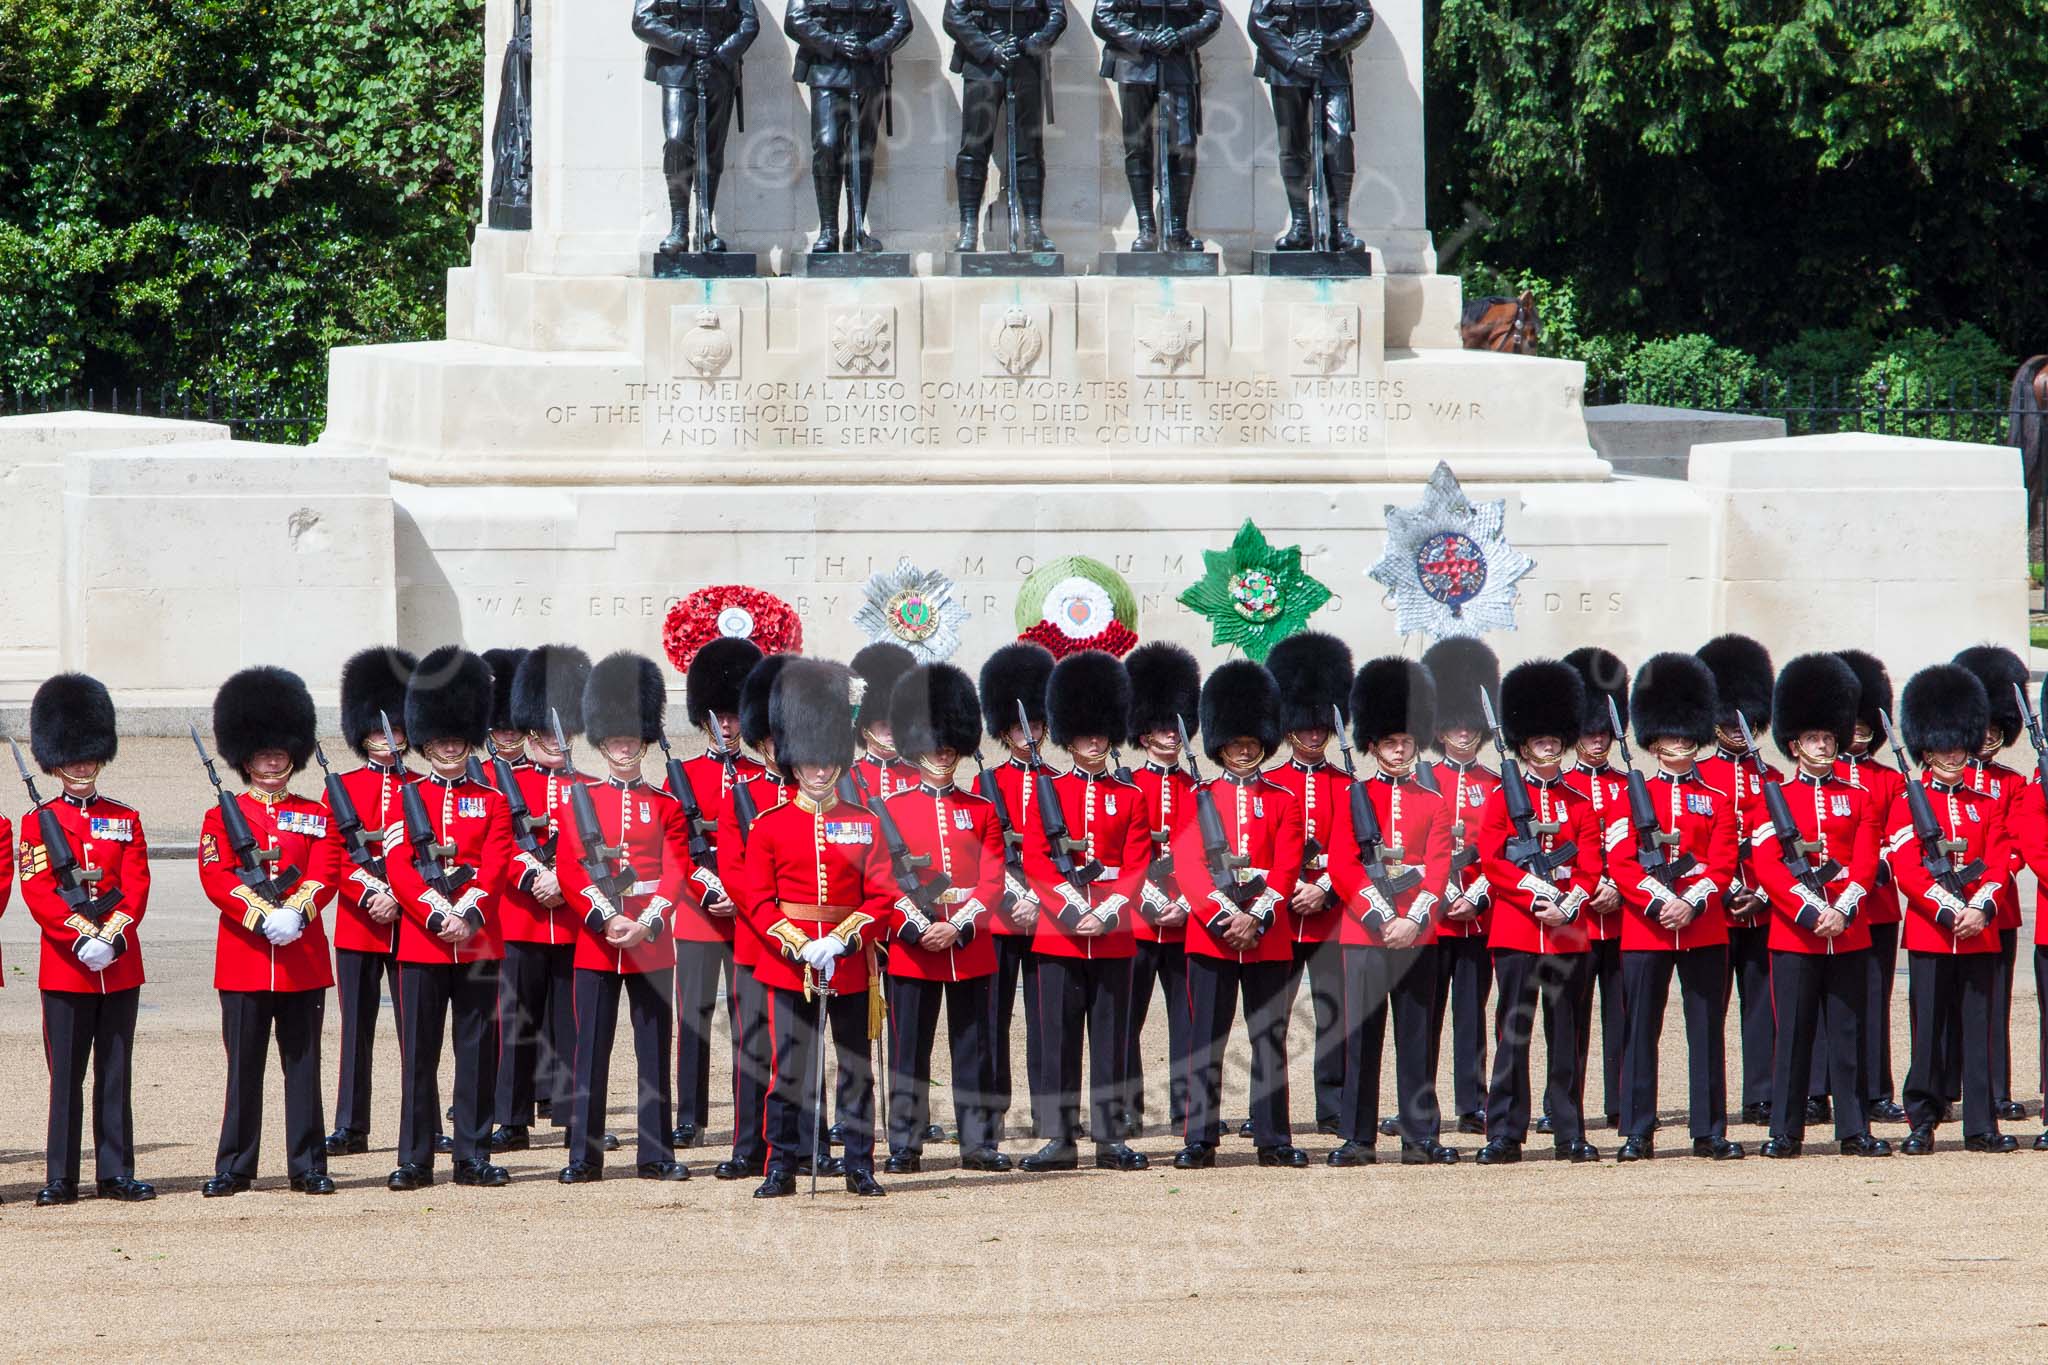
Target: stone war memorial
pixel 992 318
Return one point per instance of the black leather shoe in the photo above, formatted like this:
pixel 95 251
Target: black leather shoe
pixel 1818 1110
pixel 126 1189
pixel 780 1184
pixel 1543 1123
pixel 1350 1154
pixel 1427 1154
pixel 1114 1156
pixel 481 1174
pixel 1863 1144
pixel 1885 1111
pixel 1758 1113
pixel 662 1170
pixel 835 1136
pixel 936 1132
pixel 1919 1142
pixel 1782 1148
pixel 864 1184
pixel 1500 1152
pixel 685 1135
pixel 902 1163
pixel 57 1192
pixel 1244 1130
pixel 443 1144
pixel 1286 1154
pixel 736 1170
pixel 1390 1127
pixel 986 1159
pixel 1578 1153
pixel 409 1177
pixel 2012 1111
pixel 1196 1156
pixel 341 1142
pixel 317 1183
pixel 1637 1149
pixel 580 1173
pixel 221 1186
pixel 1717 1149
pixel 611 1142
pixel 511 1139
pixel 1054 1156
pixel 2041 1143
pixel 1991 1142
pixel 829 1166
pixel 1472 1124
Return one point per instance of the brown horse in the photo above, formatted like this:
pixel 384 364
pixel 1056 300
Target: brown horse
pixel 1499 323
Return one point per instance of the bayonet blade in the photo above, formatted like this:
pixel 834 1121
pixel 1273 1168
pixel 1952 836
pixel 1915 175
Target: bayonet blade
pixel 1486 708
pixel 390 735
pixel 561 735
pixel 20 764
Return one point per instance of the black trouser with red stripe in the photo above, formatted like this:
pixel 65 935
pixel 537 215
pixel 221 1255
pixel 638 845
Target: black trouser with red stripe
pixel 1377 980
pixel 1606 969
pixel 1323 965
pixel 913 1029
pixel 1749 974
pixel 1703 996
pixel 1818 994
pixel 537 1032
pixel 1015 964
pixel 1166 966
pixel 792 1026
pixel 752 1060
pixel 597 1027
pixel 1950 997
pixel 430 991
pixel 1214 985
pixel 697 967
pixel 246 1020
pixel 1464 981
pixel 1557 981
pixel 359 993
pixel 1077 995
pixel 81 1028
pixel 2001 1015
pixel 1880 971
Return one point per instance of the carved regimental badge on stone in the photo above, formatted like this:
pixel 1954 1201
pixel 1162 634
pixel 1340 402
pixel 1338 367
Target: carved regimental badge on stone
pixel 1447 567
pixel 864 343
pixel 1016 340
pixel 1168 342
pixel 1323 339
pixel 704 342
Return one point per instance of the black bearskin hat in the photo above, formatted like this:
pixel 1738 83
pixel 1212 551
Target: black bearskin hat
pixel 1943 709
pixel 1541 697
pixel 717 671
pixel 1606 676
pixel 1392 696
pixel 878 666
pixel 449 697
pixel 1743 678
pixel 1166 683
pixel 1240 700
pixel 1313 672
pixel 1999 669
pixel 1088 693
pixel 1461 667
pixel 263 708
pixel 1815 692
pixel 1675 697
pixel 71 720
pixel 1874 689
pixel 625 697
pixel 934 707
pixel 810 715
pixel 550 682
pixel 1015 673
pixel 373 682
pixel 754 695
pixel 504 666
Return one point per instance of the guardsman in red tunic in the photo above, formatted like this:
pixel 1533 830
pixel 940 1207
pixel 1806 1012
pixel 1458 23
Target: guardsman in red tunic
pixel 1463 668
pixel 1951 935
pixel 91 965
pixel 460 835
pixel 1743 677
pixel 1387 890
pixel 365 915
pixel 624 862
pixel 1673 923
pixel 539 926
pixel 1860 766
pixel 1166 692
pixel 704 921
pixel 1015 675
pixel 1818 876
pixel 1605 788
pixel 818 880
pixel 1537 931
pixel 881 771
pixel 1239 876
pixel 1314 674
pixel 942 953
pixel 2001 670
pixel 1090 888
pixel 270 957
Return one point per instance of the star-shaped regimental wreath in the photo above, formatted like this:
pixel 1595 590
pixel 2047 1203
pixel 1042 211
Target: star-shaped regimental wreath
pixel 1447 565
pixel 1254 595
pixel 916 609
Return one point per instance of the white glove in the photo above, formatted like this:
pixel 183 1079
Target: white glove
pixel 283 926
pixel 821 953
pixel 94 953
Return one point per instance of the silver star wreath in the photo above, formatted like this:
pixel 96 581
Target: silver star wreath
pixel 914 608
pixel 1446 564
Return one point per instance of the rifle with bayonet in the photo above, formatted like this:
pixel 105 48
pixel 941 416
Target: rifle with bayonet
pixel 1373 851
pixel 699 829
pixel 1937 855
pixel 1229 871
pixel 90 915
pixel 1054 820
pixel 2036 738
pixel 348 823
pixel 1525 840
pixel 606 866
pixel 253 864
pixel 1656 848
pixel 1015 888
pixel 528 829
pixel 905 867
pixel 430 859
pixel 1793 849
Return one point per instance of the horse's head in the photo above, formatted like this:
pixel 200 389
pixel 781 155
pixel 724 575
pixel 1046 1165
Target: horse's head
pixel 1527 328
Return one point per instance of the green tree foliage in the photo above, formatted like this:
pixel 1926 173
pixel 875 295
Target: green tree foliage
pixel 214 192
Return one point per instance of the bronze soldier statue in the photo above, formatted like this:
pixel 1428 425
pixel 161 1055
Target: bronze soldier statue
pixel 1002 50
pixel 843 52
pixel 1150 48
pixel 694 50
pixel 1304 51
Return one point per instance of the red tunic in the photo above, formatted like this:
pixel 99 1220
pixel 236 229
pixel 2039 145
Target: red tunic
pixel 1514 924
pixel 814 871
pixel 1723 772
pixel 2027 829
pixel 521 916
pixel 882 780
pixel 711 782
pixel 103 834
pixel 1114 822
pixel 957 831
pixel 1260 823
pixel 1960 813
pixel 1169 804
pixel 476 821
pixel 1837 816
pixel 768 791
pixel 1881 905
pixel 6 861
pixel 1704 819
pixel 648 824
pixel 1320 791
pixel 374 792
pixel 1411 820
pixel 1465 789
pixel 2004 786
pixel 1606 791
pixel 303 834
